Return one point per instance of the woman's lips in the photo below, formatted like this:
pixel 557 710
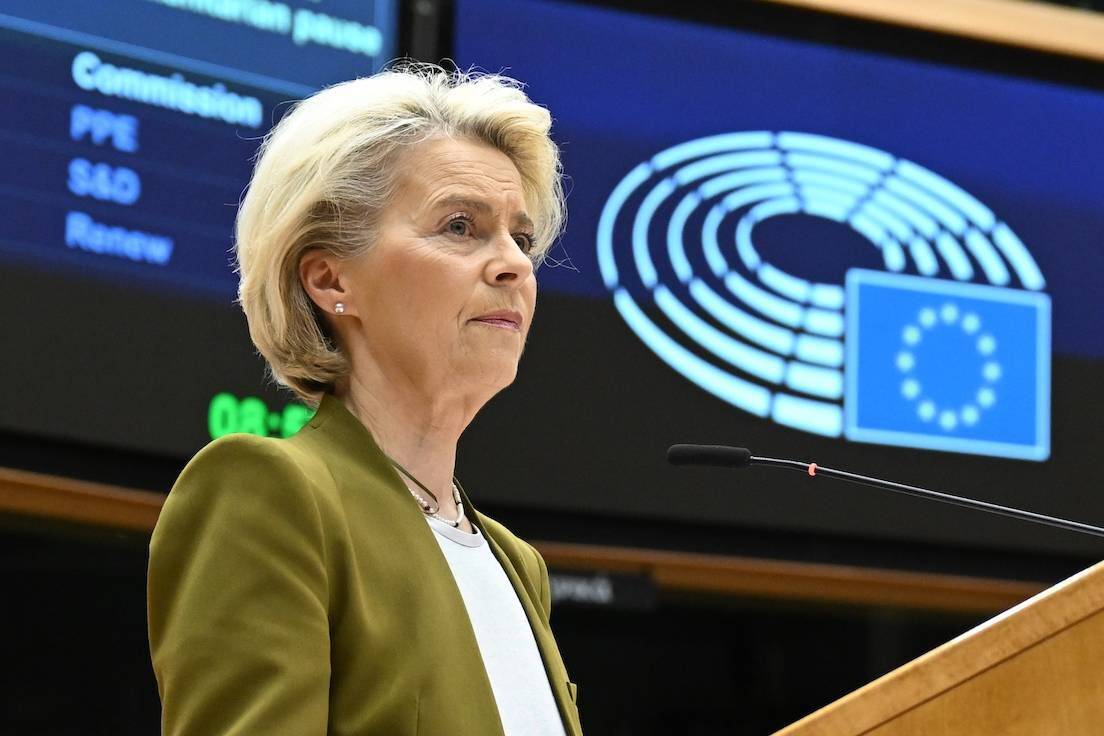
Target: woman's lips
pixel 507 319
pixel 503 323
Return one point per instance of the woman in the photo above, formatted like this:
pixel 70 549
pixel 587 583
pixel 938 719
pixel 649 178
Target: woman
pixel 339 581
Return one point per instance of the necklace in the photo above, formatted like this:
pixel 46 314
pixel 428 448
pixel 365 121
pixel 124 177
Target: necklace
pixel 427 509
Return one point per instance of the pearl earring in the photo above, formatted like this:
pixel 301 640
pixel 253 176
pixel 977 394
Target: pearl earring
pixel 339 308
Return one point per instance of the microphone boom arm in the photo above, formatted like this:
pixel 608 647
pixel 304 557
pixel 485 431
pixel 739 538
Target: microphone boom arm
pixel 814 470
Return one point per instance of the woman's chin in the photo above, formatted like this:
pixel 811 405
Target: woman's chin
pixel 493 378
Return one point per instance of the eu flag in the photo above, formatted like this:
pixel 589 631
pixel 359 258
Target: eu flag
pixel 947 365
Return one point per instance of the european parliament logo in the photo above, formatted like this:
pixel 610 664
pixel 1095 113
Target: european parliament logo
pixel 948 348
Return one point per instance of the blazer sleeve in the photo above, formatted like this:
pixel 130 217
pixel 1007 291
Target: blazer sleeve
pixel 237 596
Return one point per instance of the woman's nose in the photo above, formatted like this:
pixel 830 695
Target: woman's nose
pixel 510 264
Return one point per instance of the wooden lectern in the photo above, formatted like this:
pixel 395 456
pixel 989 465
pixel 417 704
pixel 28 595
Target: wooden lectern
pixel 1037 668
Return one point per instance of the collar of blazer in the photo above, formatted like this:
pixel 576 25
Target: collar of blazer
pixel 344 433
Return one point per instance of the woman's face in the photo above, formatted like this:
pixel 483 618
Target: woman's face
pixel 451 248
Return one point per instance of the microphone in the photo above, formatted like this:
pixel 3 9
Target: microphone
pixel 719 455
pixel 741 457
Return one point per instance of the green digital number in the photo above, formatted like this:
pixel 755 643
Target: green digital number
pixel 252 413
pixel 222 415
pixel 227 414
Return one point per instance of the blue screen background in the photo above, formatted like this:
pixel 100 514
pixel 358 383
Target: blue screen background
pixel 623 87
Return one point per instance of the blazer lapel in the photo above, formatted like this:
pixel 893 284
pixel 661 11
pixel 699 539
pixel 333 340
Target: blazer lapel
pixel 345 431
pixel 546 644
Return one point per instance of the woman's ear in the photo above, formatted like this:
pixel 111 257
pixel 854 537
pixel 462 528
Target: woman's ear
pixel 320 275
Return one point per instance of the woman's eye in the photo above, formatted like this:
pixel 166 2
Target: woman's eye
pixel 524 241
pixel 459 226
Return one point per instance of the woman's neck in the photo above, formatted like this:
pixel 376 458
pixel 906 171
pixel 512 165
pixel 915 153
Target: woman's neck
pixel 418 432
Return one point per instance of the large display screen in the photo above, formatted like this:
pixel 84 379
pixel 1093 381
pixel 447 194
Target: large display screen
pixel 879 262
pixel 127 130
pixel 883 263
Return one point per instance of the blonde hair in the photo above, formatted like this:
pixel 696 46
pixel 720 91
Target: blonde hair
pixel 325 171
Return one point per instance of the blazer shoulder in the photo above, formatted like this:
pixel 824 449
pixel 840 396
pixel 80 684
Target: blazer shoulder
pixel 230 449
pixel 246 473
pixel 251 457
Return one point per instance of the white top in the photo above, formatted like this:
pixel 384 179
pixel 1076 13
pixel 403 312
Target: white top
pixel 510 655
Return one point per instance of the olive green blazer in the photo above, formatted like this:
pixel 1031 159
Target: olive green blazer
pixel 296 589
